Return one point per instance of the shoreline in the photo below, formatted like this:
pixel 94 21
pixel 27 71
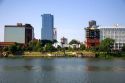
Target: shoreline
pixel 77 54
pixel 51 54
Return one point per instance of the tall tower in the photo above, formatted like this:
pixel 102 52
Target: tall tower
pixel 47 27
pixel 54 34
pixel 92 35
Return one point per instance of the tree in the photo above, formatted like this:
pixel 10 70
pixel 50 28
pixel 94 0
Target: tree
pixel 54 41
pixel 37 46
pixel 73 41
pixel 123 48
pixel 44 42
pixel 59 48
pixel 34 45
pixel 106 45
pixel 76 44
pixel 48 47
pixel 13 48
pixel 82 47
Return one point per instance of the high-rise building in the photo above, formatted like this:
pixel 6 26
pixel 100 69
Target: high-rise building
pixel 54 34
pixel 114 32
pixel 92 35
pixel 18 33
pixel 47 31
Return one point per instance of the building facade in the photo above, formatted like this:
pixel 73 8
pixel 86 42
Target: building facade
pixel 54 34
pixel 18 33
pixel 92 35
pixel 47 32
pixel 114 32
pixel 64 42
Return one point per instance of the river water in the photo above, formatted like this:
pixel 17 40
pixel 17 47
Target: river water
pixel 61 70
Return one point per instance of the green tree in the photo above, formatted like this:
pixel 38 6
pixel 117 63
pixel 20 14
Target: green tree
pixel 49 47
pixel 44 42
pixel 82 47
pixel 73 41
pixel 74 47
pixel 59 48
pixel 13 48
pixel 35 45
pixel 106 45
pixel 54 41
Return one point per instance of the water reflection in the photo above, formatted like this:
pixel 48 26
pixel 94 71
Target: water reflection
pixel 62 70
pixel 96 68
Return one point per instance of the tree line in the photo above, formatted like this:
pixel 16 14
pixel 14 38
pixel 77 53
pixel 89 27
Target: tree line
pixel 105 47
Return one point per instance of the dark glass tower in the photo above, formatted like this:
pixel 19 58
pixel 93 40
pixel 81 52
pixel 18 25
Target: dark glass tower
pixel 47 27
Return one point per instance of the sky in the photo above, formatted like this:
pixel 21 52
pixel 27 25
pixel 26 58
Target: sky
pixel 70 16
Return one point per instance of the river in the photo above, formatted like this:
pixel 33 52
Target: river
pixel 61 70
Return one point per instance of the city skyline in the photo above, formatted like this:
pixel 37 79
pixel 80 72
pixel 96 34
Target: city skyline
pixel 71 17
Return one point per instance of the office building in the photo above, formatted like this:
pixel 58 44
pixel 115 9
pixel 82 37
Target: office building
pixel 92 35
pixel 54 34
pixel 18 33
pixel 115 32
pixel 64 42
pixel 48 31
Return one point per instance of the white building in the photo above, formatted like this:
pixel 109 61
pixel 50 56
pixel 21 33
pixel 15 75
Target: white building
pixel 54 34
pixel 114 32
pixel 18 33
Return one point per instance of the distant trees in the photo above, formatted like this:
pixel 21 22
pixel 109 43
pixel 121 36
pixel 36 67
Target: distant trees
pixel 105 47
pixel 49 47
pixel 74 45
pixel 34 45
pixel 74 41
pixel 14 48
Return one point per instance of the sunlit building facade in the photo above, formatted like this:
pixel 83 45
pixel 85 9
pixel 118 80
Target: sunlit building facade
pixel 114 32
pixel 18 33
pixel 64 42
pixel 47 27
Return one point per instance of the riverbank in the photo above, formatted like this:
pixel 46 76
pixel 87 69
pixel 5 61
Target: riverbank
pixel 52 54
pixel 60 54
pixel 81 54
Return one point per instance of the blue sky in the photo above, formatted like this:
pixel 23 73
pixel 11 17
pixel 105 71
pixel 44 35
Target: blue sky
pixel 70 16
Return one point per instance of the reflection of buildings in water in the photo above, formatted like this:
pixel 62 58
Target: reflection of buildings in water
pixel 92 68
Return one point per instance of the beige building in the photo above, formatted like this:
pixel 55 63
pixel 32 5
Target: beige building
pixel 114 32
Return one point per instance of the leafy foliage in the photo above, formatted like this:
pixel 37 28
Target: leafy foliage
pixel 82 47
pixel 73 41
pixel 106 45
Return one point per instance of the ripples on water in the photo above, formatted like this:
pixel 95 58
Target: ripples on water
pixel 62 70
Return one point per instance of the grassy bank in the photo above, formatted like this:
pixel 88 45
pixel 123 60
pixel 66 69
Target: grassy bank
pixel 60 54
pixel 89 54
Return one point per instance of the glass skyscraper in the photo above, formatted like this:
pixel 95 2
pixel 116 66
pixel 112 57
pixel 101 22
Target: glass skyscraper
pixel 47 27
